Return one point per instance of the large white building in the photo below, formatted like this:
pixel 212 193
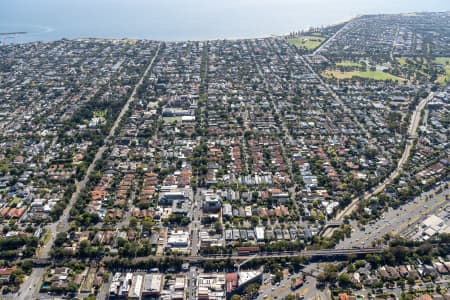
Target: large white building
pixel 178 239
pixel 152 285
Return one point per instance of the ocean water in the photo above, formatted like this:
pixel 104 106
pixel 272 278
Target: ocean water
pixel 185 19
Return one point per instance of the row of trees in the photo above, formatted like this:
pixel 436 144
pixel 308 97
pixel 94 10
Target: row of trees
pixel 10 247
pixel 400 252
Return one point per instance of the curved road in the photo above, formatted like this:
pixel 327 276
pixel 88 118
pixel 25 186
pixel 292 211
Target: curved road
pixel 398 221
pixel 411 135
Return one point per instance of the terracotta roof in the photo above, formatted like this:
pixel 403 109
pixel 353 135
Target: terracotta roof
pixel 7 271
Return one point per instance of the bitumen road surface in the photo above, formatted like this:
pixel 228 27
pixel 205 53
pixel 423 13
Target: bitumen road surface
pixel 397 221
pixel 412 130
pixel 31 285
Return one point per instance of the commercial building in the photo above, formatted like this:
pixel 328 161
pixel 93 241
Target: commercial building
pixel 178 239
pixel 211 287
pixel 136 287
pixel 152 285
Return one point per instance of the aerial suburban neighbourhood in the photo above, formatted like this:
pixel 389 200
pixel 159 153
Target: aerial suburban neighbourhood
pixel 313 165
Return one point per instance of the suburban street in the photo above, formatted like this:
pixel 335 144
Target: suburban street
pixel 191 283
pixel 412 130
pixel 397 221
pixel 31 286
pixel 324 44
pixel 225 163
pixel 196 221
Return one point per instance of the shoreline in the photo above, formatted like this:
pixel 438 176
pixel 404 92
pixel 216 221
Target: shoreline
pixel 341 21
pixel 265 36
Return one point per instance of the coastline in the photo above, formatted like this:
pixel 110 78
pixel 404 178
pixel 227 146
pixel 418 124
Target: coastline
pixel 8 39
pixel 263 36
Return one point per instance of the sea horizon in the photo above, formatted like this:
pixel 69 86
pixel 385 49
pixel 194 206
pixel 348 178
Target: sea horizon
pixel 178 20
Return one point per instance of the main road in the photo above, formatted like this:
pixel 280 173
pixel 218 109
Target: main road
pixel 411 135
pixel 398 221
pixel 31 285
pixel 317 51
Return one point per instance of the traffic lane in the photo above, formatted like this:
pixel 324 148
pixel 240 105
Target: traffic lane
pixel 272 291
pixel 308 290
pixel 311 290
pixel 283 288
pixel 373 232
pixel 30 287
pixel 395 220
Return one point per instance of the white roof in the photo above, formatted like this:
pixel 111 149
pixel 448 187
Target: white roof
pixel 136 286
pixel 179 282
pixel 245 276
pixel 433 221
pixel 259 231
